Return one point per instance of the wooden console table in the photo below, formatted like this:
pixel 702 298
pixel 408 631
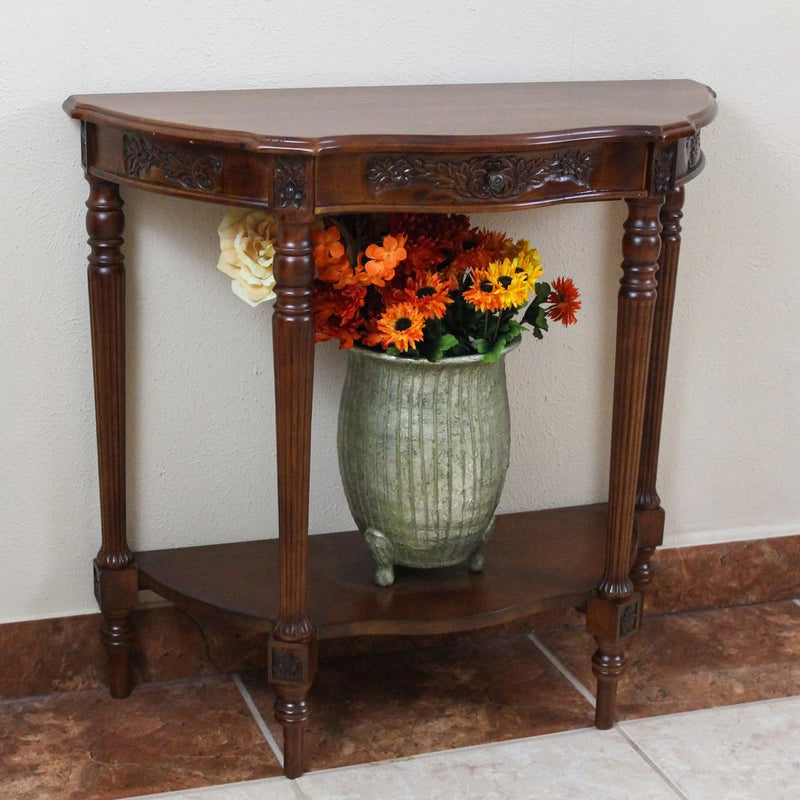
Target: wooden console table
pixel 303 153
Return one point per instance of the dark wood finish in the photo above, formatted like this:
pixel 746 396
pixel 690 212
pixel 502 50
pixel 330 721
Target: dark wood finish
pixel 225 146
pixel 293 354
pixel 507 116
pixel 115 576
pixel 636 300
pixel 523 575
pixel 649 514
pixel 306 152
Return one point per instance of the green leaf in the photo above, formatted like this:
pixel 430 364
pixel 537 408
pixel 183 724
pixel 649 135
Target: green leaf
pixel 495 353
pixel 481 345
pixel 531 314
pixel 447 342
pixel 542 292
pixel 541 321
pixel 514 329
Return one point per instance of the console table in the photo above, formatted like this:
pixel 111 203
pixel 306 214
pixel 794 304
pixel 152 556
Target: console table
pixel 303 153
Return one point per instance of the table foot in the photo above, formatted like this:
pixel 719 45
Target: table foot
pixel 608 665
pixel 117 635
pixel 292 712
pixel 642 570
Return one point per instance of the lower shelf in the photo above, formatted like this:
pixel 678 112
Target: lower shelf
pixel 536 560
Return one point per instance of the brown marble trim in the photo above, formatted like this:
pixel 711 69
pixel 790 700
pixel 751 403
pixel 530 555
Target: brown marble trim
pixel 726 574
pixel 63 654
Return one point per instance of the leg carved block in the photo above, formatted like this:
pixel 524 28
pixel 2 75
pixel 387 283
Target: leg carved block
pixel 613 620
pixel 292 663
pixel 649 526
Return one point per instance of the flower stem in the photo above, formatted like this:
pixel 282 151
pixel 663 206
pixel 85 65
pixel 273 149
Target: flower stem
pixel 497 327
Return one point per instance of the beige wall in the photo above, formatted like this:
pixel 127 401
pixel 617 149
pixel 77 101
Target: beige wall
pixel 200 425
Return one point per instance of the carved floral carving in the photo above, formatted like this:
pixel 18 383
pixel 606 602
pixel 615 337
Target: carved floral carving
pixel 665 168
pixel 289 183
pixel 693 151
pixel 84 148
pixel 481 178
pixel 190 171
pixel 287 666
pixel 627 623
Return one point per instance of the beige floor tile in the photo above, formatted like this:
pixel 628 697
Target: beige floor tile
pixel 579 765
pixel 744 752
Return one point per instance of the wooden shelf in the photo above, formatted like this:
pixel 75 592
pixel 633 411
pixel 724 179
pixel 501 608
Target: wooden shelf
pixel 524 573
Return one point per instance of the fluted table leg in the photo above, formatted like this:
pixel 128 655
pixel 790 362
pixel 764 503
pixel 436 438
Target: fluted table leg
pixel 649 513
pixel 614 610
pixel 292 656
pixel 115 574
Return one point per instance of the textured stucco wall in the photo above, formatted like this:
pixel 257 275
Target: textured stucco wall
pixel 200 390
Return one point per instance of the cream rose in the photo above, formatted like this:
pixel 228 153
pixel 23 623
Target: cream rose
pixel 247 249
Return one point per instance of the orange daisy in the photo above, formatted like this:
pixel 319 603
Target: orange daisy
pixel 428 292
pixel 401 325
pixel 483 294
pixel 564 296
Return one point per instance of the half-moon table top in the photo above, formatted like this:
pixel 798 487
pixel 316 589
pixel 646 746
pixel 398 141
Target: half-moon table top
pixel 366 118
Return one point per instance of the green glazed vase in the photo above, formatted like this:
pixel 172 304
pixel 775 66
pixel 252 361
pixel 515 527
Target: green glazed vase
pixel 423 454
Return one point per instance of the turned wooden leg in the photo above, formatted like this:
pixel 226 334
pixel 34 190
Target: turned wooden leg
pixel 614 610
pixel 292 654
pixel 649 514
pixel 115 573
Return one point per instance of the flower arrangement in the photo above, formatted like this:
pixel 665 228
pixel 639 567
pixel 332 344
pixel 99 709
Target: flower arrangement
pixel 413 285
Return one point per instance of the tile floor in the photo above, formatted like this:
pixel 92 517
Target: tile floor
pixel 710 710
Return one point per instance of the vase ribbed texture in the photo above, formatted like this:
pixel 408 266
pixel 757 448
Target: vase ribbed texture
pixel 423 452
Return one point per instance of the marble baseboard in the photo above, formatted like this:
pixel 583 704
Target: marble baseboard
pixel 65 654
pixel 725 574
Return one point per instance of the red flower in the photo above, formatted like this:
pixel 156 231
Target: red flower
pixel 423 255
pixel 564 296
pixel 337 313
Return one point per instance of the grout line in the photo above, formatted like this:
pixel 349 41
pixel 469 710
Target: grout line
pixel 202 791
pixel 652 764
pixel 262 726
pixel 553 659
pixel 298 790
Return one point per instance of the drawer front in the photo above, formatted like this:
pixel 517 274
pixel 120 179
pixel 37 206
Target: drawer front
pixel 422 181
pixel 219 173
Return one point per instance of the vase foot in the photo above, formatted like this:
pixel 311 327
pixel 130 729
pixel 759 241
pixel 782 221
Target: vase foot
pixel 384 576
pixel 476 562
pixel 383 554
